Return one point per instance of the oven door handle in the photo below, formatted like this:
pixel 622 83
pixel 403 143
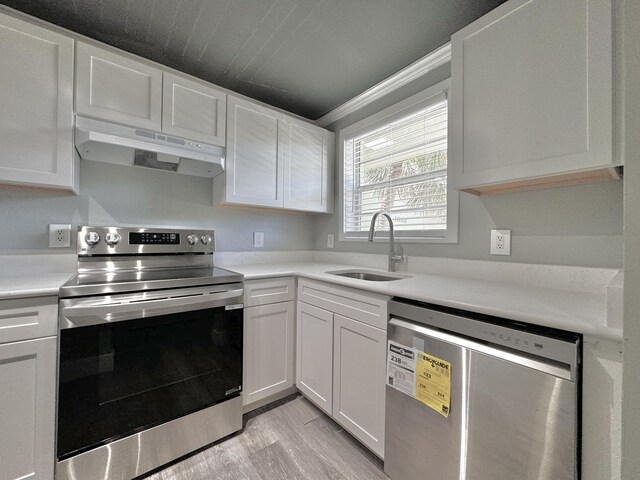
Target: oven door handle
pixel 81 315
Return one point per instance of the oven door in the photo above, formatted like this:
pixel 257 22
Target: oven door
pixel 132 361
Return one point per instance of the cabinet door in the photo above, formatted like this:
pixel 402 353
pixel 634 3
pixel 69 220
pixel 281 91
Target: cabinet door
pixel 531 95
pixel 192 110
pixel 305 151
pixel 117 88
pixel 36 106
pixel 268 350
pixel 359 380
pixel 254 170
pixel 314 354
pixel 27 409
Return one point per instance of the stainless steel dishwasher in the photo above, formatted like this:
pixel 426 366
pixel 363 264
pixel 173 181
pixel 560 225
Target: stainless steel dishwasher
pixel 479 398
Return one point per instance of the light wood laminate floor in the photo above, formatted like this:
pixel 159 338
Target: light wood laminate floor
pixel 290 439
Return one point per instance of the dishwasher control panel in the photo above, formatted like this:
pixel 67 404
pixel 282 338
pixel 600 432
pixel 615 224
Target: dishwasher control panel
pixel 515 339
pixel 562 347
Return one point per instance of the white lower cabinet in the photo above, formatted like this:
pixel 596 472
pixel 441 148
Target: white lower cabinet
pixel 314 355
pixel 27 409
pixel 28 360
pixel 358 380
pixel 269 336
pixel 268 347
pixel 340 360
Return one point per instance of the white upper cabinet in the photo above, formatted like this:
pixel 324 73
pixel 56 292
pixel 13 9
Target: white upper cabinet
pixel 36 106
pixel 531 96
pixel 274 160
pixel 254 168
pixel 193 110
pixel 117 88
pixel 120 89
pixel 305 150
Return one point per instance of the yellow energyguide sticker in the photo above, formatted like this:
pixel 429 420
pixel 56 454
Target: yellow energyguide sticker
pixel 433 382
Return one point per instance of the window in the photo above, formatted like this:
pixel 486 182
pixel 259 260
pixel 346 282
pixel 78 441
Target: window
pixel 397 161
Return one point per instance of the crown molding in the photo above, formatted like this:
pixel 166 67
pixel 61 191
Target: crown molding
pixel 414 71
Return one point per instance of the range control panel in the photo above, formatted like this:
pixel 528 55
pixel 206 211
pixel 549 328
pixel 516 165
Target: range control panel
pixel 154 238
pixel 143 241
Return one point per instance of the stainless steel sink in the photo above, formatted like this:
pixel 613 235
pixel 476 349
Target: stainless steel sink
pixel 369 275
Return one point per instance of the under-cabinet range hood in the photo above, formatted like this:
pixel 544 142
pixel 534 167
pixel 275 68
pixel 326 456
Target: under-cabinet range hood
pixel 111 143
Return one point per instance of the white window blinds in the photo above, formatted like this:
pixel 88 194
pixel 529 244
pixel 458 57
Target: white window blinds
pixel 400 166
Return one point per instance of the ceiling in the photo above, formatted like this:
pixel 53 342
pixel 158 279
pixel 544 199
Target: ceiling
pixel 304 56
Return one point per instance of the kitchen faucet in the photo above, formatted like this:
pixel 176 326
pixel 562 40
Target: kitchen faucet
pixel 393 257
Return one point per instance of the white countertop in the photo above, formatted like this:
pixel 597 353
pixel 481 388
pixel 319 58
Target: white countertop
pixel 573 303
pixel 34 274
pixel 32 285
pixel 573 311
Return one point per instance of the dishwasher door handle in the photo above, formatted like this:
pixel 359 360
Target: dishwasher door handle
pixel 536 362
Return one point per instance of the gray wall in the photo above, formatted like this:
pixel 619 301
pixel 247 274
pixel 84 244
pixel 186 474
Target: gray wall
pixel 117 195
pixel 579 225
pixel 566 226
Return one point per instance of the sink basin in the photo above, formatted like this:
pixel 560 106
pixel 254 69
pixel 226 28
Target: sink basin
pixel 369 276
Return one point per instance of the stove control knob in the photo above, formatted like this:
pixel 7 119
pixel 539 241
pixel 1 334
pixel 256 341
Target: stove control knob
pixel 92 238
pixel 112 238
pixel 206 239
pixel 192 239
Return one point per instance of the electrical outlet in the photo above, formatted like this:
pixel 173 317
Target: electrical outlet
pixel 330 240
pixel 258 239
pixel 500 242
pixel 59 235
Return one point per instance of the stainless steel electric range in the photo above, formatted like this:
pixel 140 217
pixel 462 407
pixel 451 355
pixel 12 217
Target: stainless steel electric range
pixel 150 362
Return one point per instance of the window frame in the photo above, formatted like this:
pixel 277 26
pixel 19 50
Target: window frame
pixel 401 109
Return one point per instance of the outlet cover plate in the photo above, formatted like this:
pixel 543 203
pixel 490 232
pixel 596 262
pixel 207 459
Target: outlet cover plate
pixel 258 239
pixel 330 240
pixel 59 235
pixel 500 242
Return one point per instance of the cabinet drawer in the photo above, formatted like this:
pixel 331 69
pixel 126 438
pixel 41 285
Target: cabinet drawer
pixel 28 318
pixel 269 290
pixel 369 308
